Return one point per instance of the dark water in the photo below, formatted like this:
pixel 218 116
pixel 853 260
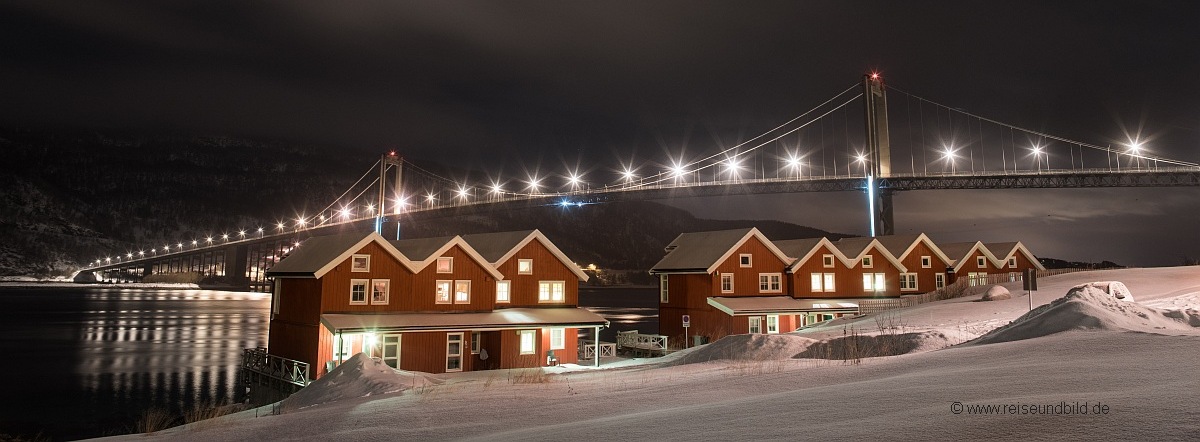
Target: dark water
pixel 87 362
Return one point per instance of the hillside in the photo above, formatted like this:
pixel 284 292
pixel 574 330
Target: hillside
pixel 70 196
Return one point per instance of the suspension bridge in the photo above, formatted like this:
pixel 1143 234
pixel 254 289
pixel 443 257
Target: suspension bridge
pixel 910 144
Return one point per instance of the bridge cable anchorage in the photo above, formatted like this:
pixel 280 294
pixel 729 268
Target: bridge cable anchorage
pixel 1108 149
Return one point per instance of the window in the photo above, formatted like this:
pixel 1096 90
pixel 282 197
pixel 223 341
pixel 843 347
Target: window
pixel 908 282
pixel 873 282
pixel 770 283
pixel 755 325
pixel 727 283
pixel 558 338
pixel 442 295
pixel 926 262
pixel 445 264
pixel 822 282
pixel 475 340
pixel 502 291
pixel 1012 262
pixel 868 261
pixel 745 260
pixel 551 291
pixel 275 297
pixel 341 347
pixel 977 278
pixel 980 262
pixel 939 280
pixel 454 347
pixel 772 324
pixel 662 288
pixel 358 291
pixel 462 291
pixel 827 261
pixel 527 347
pixel 360 263
pixel 1015 276
pixel 379 291
pixel 524 266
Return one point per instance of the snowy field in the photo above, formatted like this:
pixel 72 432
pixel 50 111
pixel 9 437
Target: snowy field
pixel 1083 367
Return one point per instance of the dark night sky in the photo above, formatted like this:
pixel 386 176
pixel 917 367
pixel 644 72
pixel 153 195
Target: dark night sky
pixel 554 84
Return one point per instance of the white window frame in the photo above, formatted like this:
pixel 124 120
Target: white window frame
pixel 770 283
pixel 874 282
pixel 817 282
pixel 975 279
pixel 467 299
pixel 447 268
pixel 546 292
pixel 745 260
pixel 447 295
pixel 366 294
pixel 726 283
pixel 926 262
pixel 1012 262
pixel 524 266
pixel 981 262
pixel 754 326
pixel 939 280
pixel 908 282
pixel 342 353
pixel 772 324
pixel 503 292
pixel 868 262
pixel 276 289
pixel 827 260
pixel 558 338
pixel 451 356
pixel 528 342
pixel 354 263
pixel 830 282
pixel 476 338
pixel 663 295
pixel 387 291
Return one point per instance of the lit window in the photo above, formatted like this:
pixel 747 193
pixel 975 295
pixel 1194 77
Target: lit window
pixel 1012 262
pixel 868 262
pixel 524 266
pixel 502 291
pixel 358 291
pixel 558 338
pixel 462 291
pixel 908 281
pixel 770 283
pixel 827 261
pixel 341 347
pixel 360 263
pixel 551 291
pixel 873 282
pixel 926 262
pixel 379 291
pixel 829 282
pixel 980 261
pixel 727 283
pixel 445 264
pixel 527 347
pixel 772 324
pixel 745 260
pixel 662 288
pixel 442 295
pixel 816 283
pixel 475 342
pixel 755 325
pixel 454 351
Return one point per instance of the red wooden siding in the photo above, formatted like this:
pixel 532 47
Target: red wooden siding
pixel 335 285
pixel 546 267
pixel 483 285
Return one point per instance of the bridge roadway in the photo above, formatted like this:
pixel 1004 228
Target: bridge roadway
pixel 1088 178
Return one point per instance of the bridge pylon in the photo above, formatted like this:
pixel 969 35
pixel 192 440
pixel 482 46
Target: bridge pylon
pixel 390 159
pixel 878 146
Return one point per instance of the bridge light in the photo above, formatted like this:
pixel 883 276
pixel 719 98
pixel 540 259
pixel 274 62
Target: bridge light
pixel 860 158
pixel 107 259
pixel 300 222
pixel 141 253
pixel 496 188
pixel 225 236
pixel 628 174
pixel 533 184
pixel 573 180
pixel 370 208
pixel 345 213
pixel 322 217
pixel 430 197
pixel 948 154
pixel 874 75
pixel 462 192
pixel 565 203
pixel 194 243
pixel 180 245
pixel 241 233
pixel 129 255
pixel 280 226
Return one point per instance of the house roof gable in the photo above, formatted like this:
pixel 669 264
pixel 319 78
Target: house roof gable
pixel 500 247
pixel 318 255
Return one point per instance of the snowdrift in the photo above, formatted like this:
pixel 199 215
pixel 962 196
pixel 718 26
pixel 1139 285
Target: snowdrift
pixel 870 346
pixel 755 347
pixel 360 376
pixel 1090 308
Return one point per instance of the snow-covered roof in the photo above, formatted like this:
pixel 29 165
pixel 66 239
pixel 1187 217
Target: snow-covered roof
pixel 702 252
pixel 319 254
pixel 758 305
pixel 502 319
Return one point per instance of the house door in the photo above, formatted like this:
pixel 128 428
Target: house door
pixel 389 348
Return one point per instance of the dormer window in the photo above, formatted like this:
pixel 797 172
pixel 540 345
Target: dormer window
pixel 445 264
pixel 827 261
pixel 868 262
pixel 524 266
pixel 926 262
pixel 1012 262
pixel 980 261
pixel 745 260
pixel 360 263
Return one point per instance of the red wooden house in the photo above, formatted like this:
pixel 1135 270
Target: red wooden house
pixel 925 262
pixel 423 304
pixel 1013 258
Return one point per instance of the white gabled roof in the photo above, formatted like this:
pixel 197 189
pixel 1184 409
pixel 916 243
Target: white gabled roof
pixel 318 255
pixel 456 241
pixel 809 248
pixel 905 244
pixel 501 247
pixel 703 252
pixel 959 251
pixel 1009 249
pixel 863 245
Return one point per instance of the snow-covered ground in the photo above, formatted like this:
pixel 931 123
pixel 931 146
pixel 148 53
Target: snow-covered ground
pixel 1083 367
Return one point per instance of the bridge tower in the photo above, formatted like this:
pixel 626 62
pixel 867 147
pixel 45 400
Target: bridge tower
pixel 389 159
pixel 879 201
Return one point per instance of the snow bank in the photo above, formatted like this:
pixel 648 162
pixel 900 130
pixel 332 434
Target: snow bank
pixel 870 346
pixel 996 293
pixel 360 376
pixel 755 347
pixel 1090 308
